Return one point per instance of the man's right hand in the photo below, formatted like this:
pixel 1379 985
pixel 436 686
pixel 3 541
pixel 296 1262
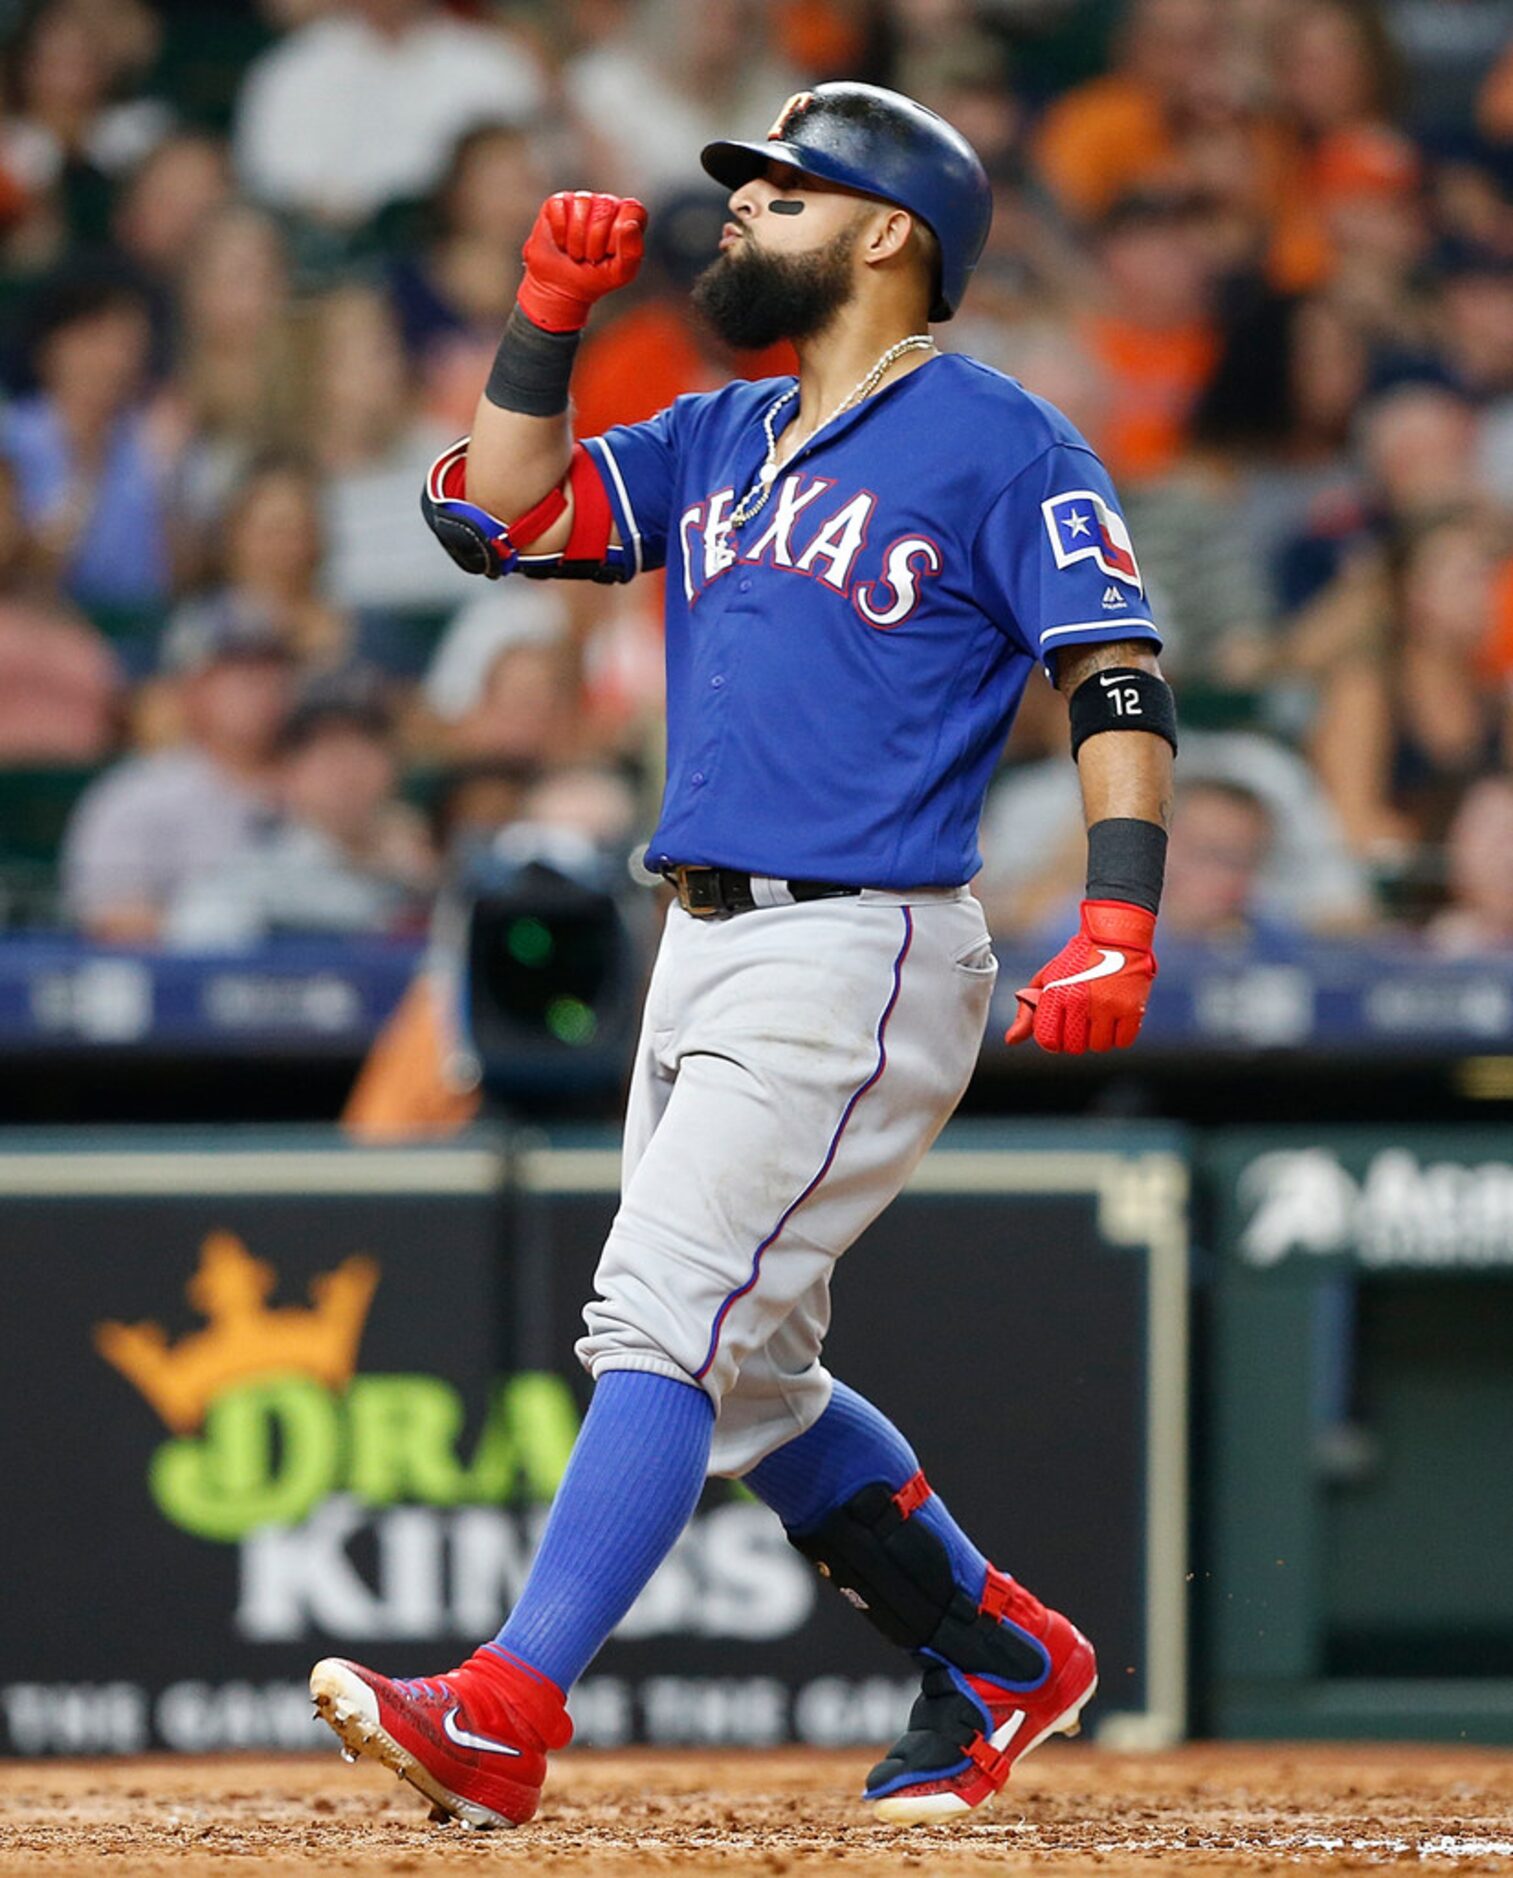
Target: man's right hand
pixel 582 247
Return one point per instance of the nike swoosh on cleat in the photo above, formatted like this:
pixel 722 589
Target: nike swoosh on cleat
pixel 1110 963
pixel 465 1739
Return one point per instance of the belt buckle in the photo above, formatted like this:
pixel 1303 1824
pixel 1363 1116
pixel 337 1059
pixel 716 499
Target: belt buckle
pixel 705 907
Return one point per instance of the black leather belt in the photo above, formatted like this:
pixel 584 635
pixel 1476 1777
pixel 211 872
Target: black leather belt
pixel 715 892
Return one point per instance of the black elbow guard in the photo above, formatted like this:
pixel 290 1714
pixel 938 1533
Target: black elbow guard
pixel 469 544
pixel 478 542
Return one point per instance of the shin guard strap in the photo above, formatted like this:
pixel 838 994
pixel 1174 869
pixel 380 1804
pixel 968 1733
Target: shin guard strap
pixel 897 1573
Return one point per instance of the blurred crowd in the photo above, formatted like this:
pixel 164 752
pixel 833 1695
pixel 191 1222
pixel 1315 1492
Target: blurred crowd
pixel 254 260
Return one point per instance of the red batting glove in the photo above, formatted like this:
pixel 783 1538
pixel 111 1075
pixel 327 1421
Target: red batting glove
pixel 1092 995
pixel 582 247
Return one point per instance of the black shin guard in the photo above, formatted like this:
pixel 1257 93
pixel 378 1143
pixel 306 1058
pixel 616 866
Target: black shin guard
pixel 898 1575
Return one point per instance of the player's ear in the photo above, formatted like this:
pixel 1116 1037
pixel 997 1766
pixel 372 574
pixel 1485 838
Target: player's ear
pixel 889 233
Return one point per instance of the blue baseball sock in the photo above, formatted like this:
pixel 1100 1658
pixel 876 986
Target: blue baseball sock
pixel 632 1483
pixel 851 1444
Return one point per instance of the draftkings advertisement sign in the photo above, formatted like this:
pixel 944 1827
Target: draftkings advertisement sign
pixel 269 1404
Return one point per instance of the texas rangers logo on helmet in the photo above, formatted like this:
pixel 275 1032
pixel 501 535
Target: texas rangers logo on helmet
pixel 1083 527
pixel 800 101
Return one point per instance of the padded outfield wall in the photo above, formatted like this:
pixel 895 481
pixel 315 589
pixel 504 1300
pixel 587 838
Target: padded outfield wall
pixel 275 1398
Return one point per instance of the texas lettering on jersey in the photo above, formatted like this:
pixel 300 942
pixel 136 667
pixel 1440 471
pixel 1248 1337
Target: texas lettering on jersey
pixel 816 533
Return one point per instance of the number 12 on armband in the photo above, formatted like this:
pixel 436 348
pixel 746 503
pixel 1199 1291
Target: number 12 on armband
pixel 1124 699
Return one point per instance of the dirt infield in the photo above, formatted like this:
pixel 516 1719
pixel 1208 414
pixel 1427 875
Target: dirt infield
pixel 1194 1811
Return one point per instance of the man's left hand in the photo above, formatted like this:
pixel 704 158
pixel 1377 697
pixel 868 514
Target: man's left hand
pixel 1093 994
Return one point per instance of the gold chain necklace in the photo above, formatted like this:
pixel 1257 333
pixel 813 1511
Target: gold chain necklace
pixel 755 498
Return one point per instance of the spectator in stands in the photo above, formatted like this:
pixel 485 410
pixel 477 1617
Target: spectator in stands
pixel 1476 321
pixel 1400 735
pixel 1417 449
pixel 590 800
pixel 1494 103
pixel 65 132
pixel 1368 182
pixel 1152 333
pixel 156 217
pixel 60 685
pixel 153 822
pixel 373 452
pixel 1415 444
pixel 1478 873
pixel 1118 134
pixel 453 296
pixel 1336 67
pixel 669 78
pixel 1274 428
pixel 1478 325
pixel 237 385
pixel 344 856
pixel 94 458
pixel 361 107
pixel 1339 86
pixel 272 553
pixel 165 200
pixel 1222 835
pixel 500 686
pixel 1447 48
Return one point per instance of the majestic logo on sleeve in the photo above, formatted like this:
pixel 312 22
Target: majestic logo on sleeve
pixel 1083 527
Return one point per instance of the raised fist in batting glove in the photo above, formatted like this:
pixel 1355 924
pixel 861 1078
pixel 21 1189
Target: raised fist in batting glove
pixel 582 247
pixel 1092 995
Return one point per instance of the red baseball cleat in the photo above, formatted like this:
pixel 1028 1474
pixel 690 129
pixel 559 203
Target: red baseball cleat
pixel 473 1740
pixel 967 1731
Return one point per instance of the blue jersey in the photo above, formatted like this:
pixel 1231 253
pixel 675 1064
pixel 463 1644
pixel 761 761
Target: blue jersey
pixel 843 669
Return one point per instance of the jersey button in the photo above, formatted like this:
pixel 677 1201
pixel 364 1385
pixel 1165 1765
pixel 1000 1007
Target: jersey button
pixel 745 587
pixel 716 682
pixel 697 779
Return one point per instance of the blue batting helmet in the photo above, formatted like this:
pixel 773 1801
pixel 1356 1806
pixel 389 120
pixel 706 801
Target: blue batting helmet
pixel 886 145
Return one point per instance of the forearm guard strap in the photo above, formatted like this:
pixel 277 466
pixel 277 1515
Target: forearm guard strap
pixel 897 1573
pixel 532 368
pixel 1126 860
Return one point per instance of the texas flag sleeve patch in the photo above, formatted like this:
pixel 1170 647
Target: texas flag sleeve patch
pixel 1084 527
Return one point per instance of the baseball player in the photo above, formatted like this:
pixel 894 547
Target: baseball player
pixel 864 565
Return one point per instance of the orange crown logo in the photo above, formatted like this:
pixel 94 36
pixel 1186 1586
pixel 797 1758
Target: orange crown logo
pixel 244 1336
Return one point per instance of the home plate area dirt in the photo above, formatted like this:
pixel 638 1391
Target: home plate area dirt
pixel 1071 1811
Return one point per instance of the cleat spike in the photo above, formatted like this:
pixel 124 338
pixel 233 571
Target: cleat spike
pixel 349 1755
pixel 439 1814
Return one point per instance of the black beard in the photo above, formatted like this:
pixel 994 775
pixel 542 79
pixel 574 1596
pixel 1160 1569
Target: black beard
pixel 752 299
